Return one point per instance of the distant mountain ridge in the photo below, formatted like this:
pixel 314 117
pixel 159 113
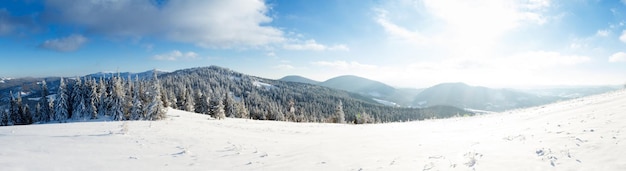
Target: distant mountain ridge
pixel 456 94
pixel 141 75
pixel 378 91
pixel 299 79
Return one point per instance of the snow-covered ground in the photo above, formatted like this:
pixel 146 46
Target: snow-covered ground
pixel 581 134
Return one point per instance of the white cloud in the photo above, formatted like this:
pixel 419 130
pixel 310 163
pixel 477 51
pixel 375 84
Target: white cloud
pixel 618 57
pixel 207 23
pixel 176 55
pixel 603 33
pixel 65 44
pixel 623 36
pixel 313 45
pixel 397 31
pixel 343 65
pixel 271 54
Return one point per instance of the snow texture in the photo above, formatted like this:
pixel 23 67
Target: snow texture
pixel 580 134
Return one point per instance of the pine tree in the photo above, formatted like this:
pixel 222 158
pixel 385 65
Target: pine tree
pixel 136 111
pixel 77 101
pixel 45 112
pixel 202 103
pixel 103 99
pixel 92 99
pixel 37 115
pixel 229 105
pixel 117 99
pixel 217 109
pixel 155 109
pixel 13 110
pixel 4 118
pixel 61 112
pixel 341 117
pixel 242 110
pixel 189 101
pixel 27 117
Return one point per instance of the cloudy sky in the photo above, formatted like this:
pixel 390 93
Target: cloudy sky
pixel 405 43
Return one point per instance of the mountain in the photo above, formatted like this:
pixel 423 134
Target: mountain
pixel 298 79
pixel 269 99
pixel 359 85
pixel 376 90
pixel 141 75
pixel 480 98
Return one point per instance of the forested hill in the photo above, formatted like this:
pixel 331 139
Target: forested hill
pixel 268 99
pixel 215 91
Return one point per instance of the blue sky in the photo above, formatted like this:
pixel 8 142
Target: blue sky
pixel 405 43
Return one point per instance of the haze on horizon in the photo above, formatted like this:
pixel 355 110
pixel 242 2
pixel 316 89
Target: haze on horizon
pixel 404 43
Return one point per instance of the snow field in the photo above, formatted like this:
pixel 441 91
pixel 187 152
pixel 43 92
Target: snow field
pixel 580 134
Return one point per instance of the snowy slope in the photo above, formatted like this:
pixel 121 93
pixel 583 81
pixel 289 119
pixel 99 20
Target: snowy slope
pixel 581 134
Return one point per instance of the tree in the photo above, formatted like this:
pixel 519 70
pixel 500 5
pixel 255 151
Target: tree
pixel 217 109
pixel 26 117
pixel 155 109
pixel 202 103
pixel 188 104
pixel 13 110
pixel 103 99
pixel 45 103
pixel 136 111
pixel 341 117
pixel 37 115
pixel 61 112
pixel 241 110
pixel 229 105
pixel 92 99
pixel 78 102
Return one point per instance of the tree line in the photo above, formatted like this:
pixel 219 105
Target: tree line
pixel 87 99
pixel 214 91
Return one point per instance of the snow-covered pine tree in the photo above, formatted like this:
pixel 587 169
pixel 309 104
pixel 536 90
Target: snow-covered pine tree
pixel 128 98
pixel 91 92
pixel 217 108
pixel 37 115
pixel 341 117
pixel 26 117
pixel 44 102
pixel 155 109
pixel 229 105
pixel 136 110
pixel 60 107
pixel 242 110
pixel 117 99
pixel 13 109
pixel 189 101
pixel 103 99
pixel 202 103
pixel 77 100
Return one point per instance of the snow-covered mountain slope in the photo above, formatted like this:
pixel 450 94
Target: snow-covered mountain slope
pixel 580 134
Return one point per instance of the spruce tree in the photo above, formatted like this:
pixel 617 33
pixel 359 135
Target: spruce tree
pixel 77 101
pixel 117 99
pixel 60 107
pixel 341 117
pixel 44 102
pixel 136 111
pixel 155 109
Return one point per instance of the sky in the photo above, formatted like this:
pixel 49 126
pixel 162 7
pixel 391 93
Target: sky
pixel 404 43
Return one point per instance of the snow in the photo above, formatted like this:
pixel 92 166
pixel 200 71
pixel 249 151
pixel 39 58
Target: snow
pixel 262 84
pixel 3 79
pixel 385 102
pixel 580 134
